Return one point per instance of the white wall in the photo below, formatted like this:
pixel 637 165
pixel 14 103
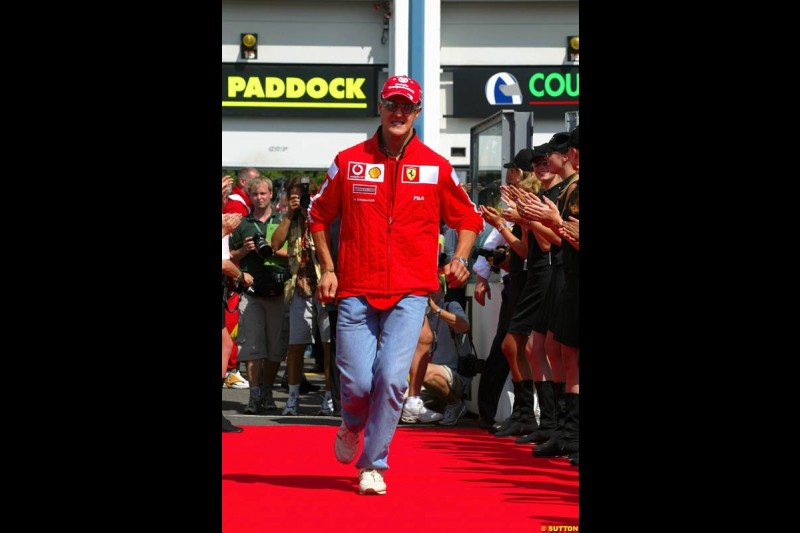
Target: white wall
pixel 346 32
pixel 507 33
pixel 276 143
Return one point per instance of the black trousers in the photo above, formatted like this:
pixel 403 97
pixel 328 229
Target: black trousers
pixel 495 373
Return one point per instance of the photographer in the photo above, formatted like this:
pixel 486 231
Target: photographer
pixel 442 382
pixel 263 321
pixel 306 314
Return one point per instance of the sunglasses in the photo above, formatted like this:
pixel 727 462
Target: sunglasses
pixel 392 106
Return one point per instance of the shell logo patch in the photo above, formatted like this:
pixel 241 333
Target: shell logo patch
pixel 364 171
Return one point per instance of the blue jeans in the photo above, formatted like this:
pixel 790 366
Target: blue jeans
pixel 374 373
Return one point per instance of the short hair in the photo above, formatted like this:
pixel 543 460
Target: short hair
pixel 255 182
pixel 248 173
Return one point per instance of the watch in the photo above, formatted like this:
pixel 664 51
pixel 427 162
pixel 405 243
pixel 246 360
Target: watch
pixel 437 312
pixel 463 261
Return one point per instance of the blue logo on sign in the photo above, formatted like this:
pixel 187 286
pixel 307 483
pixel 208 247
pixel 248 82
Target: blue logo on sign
pixel 503 89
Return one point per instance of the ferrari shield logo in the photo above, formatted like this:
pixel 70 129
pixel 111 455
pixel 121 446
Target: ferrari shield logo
pixel 420 174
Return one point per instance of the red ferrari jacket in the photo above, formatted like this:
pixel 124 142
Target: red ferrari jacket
pixel 238 202
pixel 390 209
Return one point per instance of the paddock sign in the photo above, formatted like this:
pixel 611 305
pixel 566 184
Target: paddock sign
pixel 299 91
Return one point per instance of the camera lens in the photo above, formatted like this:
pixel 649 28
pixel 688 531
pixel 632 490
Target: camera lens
pixel 263 249
pixel 305 189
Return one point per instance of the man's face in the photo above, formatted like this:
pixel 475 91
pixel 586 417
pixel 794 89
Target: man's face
pixel 262 196
pixel 399 121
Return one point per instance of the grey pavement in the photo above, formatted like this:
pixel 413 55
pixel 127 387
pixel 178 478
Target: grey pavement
pixel 235 400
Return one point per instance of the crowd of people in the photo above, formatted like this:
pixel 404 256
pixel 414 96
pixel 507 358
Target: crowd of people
pixel 343 266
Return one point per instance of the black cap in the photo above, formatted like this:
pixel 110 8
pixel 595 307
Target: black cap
pixel 558 143
pixel 541 150
pixel 523 160
pixel 573 138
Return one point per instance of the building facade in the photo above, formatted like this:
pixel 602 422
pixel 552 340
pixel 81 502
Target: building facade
pixel 309 87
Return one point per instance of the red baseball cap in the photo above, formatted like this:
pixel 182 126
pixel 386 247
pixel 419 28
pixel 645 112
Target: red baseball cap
pixel 402 86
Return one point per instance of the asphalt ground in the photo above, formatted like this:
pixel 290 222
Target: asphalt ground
pixel 235 400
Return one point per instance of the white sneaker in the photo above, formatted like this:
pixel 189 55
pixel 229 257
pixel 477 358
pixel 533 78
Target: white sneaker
pixel 326 409
pixel 452 413
pixel 291 405
pixel 234 380
pixel 345 447
pixel 414 411
pixel 370 481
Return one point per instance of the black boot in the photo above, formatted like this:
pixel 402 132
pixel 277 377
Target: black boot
pixel 252 404
pixel 228 427
pixel 526 422
pixel 565 438
pixel 546 392
pixel 561 402
pixel 569 439
pixel 501 426
pixel 573 459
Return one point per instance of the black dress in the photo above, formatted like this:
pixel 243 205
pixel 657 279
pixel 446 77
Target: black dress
pixel 565 317
pixel 540 271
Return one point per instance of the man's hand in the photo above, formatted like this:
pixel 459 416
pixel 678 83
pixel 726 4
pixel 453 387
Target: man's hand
pixel 326 287
pixel 227 183
pixel 455 273
pixel 230 221
pixel 482 290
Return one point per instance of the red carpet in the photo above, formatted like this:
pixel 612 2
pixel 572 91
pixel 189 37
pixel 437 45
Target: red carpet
pixel 286 478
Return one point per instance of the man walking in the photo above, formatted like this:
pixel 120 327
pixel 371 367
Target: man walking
pixel 391 192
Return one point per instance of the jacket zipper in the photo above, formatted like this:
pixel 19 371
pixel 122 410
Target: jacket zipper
pixel 390 203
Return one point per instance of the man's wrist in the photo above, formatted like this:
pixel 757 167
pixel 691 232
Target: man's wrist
pixel 461 260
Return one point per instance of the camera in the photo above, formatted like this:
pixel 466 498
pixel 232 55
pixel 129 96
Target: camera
pixel 239 288
pixel 263 249
pixel 495 257
pixel 470 365
pixel 305 195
